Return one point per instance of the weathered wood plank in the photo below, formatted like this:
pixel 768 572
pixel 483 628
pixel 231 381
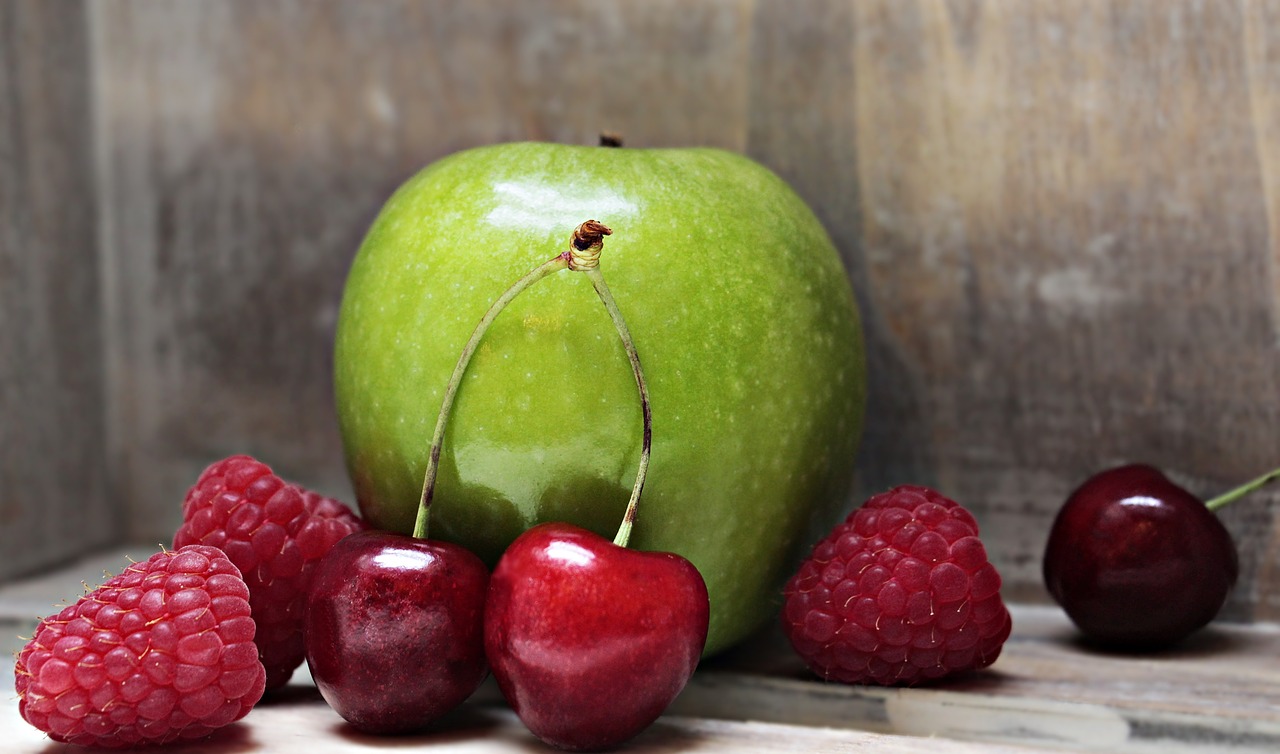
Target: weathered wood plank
pixel 306 724
pixel 249 145
pixel 1262 56
pixel 53 501
pixel 1046 689
pixel 1063 219
pixel 1059 219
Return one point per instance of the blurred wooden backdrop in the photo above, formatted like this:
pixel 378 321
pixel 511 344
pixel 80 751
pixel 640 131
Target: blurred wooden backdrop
pixel 1059 217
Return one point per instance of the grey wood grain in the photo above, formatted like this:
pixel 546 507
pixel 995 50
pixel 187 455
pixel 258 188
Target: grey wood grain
pixel 489 727
pixel 1059 219
pixel 1045 690
pixel 1065 226
pixel 1261 44
pixel 53 501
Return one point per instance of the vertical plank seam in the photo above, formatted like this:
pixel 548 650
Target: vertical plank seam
pixel 1264 161
pixel 748 9
pixel 1260 609
pixel 106 256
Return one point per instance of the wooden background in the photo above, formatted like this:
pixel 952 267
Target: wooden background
pixel 1059 218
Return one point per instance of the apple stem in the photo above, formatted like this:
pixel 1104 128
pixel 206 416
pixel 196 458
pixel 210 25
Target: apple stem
pixel 557 263
pixel 1230 496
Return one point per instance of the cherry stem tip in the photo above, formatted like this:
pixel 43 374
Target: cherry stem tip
pixel 1230 496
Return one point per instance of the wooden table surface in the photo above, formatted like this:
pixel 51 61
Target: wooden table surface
pixel 1219 692
pixel 301 721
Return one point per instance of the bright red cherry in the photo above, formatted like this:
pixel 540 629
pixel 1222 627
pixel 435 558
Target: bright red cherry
pixel 394 629
pixel 590 641
pixel 1138 562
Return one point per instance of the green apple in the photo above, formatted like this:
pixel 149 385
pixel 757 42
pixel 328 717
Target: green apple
pixel 742 314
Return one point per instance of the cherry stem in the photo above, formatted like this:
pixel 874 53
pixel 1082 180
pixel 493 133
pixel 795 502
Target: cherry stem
pixel 646 444
pixel 583 256
pixel 555 264
pixel 1230 496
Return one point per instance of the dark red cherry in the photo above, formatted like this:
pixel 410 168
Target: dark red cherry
pixel 1136 561
pixel 394 629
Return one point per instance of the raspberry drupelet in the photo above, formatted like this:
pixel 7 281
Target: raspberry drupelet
pixel 163 651
pixel 275 532
pixel 899 593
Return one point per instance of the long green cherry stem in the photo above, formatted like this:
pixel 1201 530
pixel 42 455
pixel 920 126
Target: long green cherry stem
pixel 602 290
pixel 583 255
pixel 555 264
pixel 1230 496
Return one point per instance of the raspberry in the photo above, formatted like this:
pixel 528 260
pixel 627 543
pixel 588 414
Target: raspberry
pixel 274 532
pixel 899 593
pixel 162 651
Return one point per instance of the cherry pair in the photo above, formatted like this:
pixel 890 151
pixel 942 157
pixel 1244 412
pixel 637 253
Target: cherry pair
pixel 589 641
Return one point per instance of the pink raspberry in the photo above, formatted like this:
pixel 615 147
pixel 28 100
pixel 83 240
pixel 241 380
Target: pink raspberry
pixel 275 532
pixel 162 651
pixel 899 593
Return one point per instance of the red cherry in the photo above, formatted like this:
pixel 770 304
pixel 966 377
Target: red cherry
pixel 590 641
pixel 1137 561
pixel 394 629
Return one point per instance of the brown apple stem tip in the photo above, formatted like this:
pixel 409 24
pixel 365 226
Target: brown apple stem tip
pixel 583 255
pixel 585 245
